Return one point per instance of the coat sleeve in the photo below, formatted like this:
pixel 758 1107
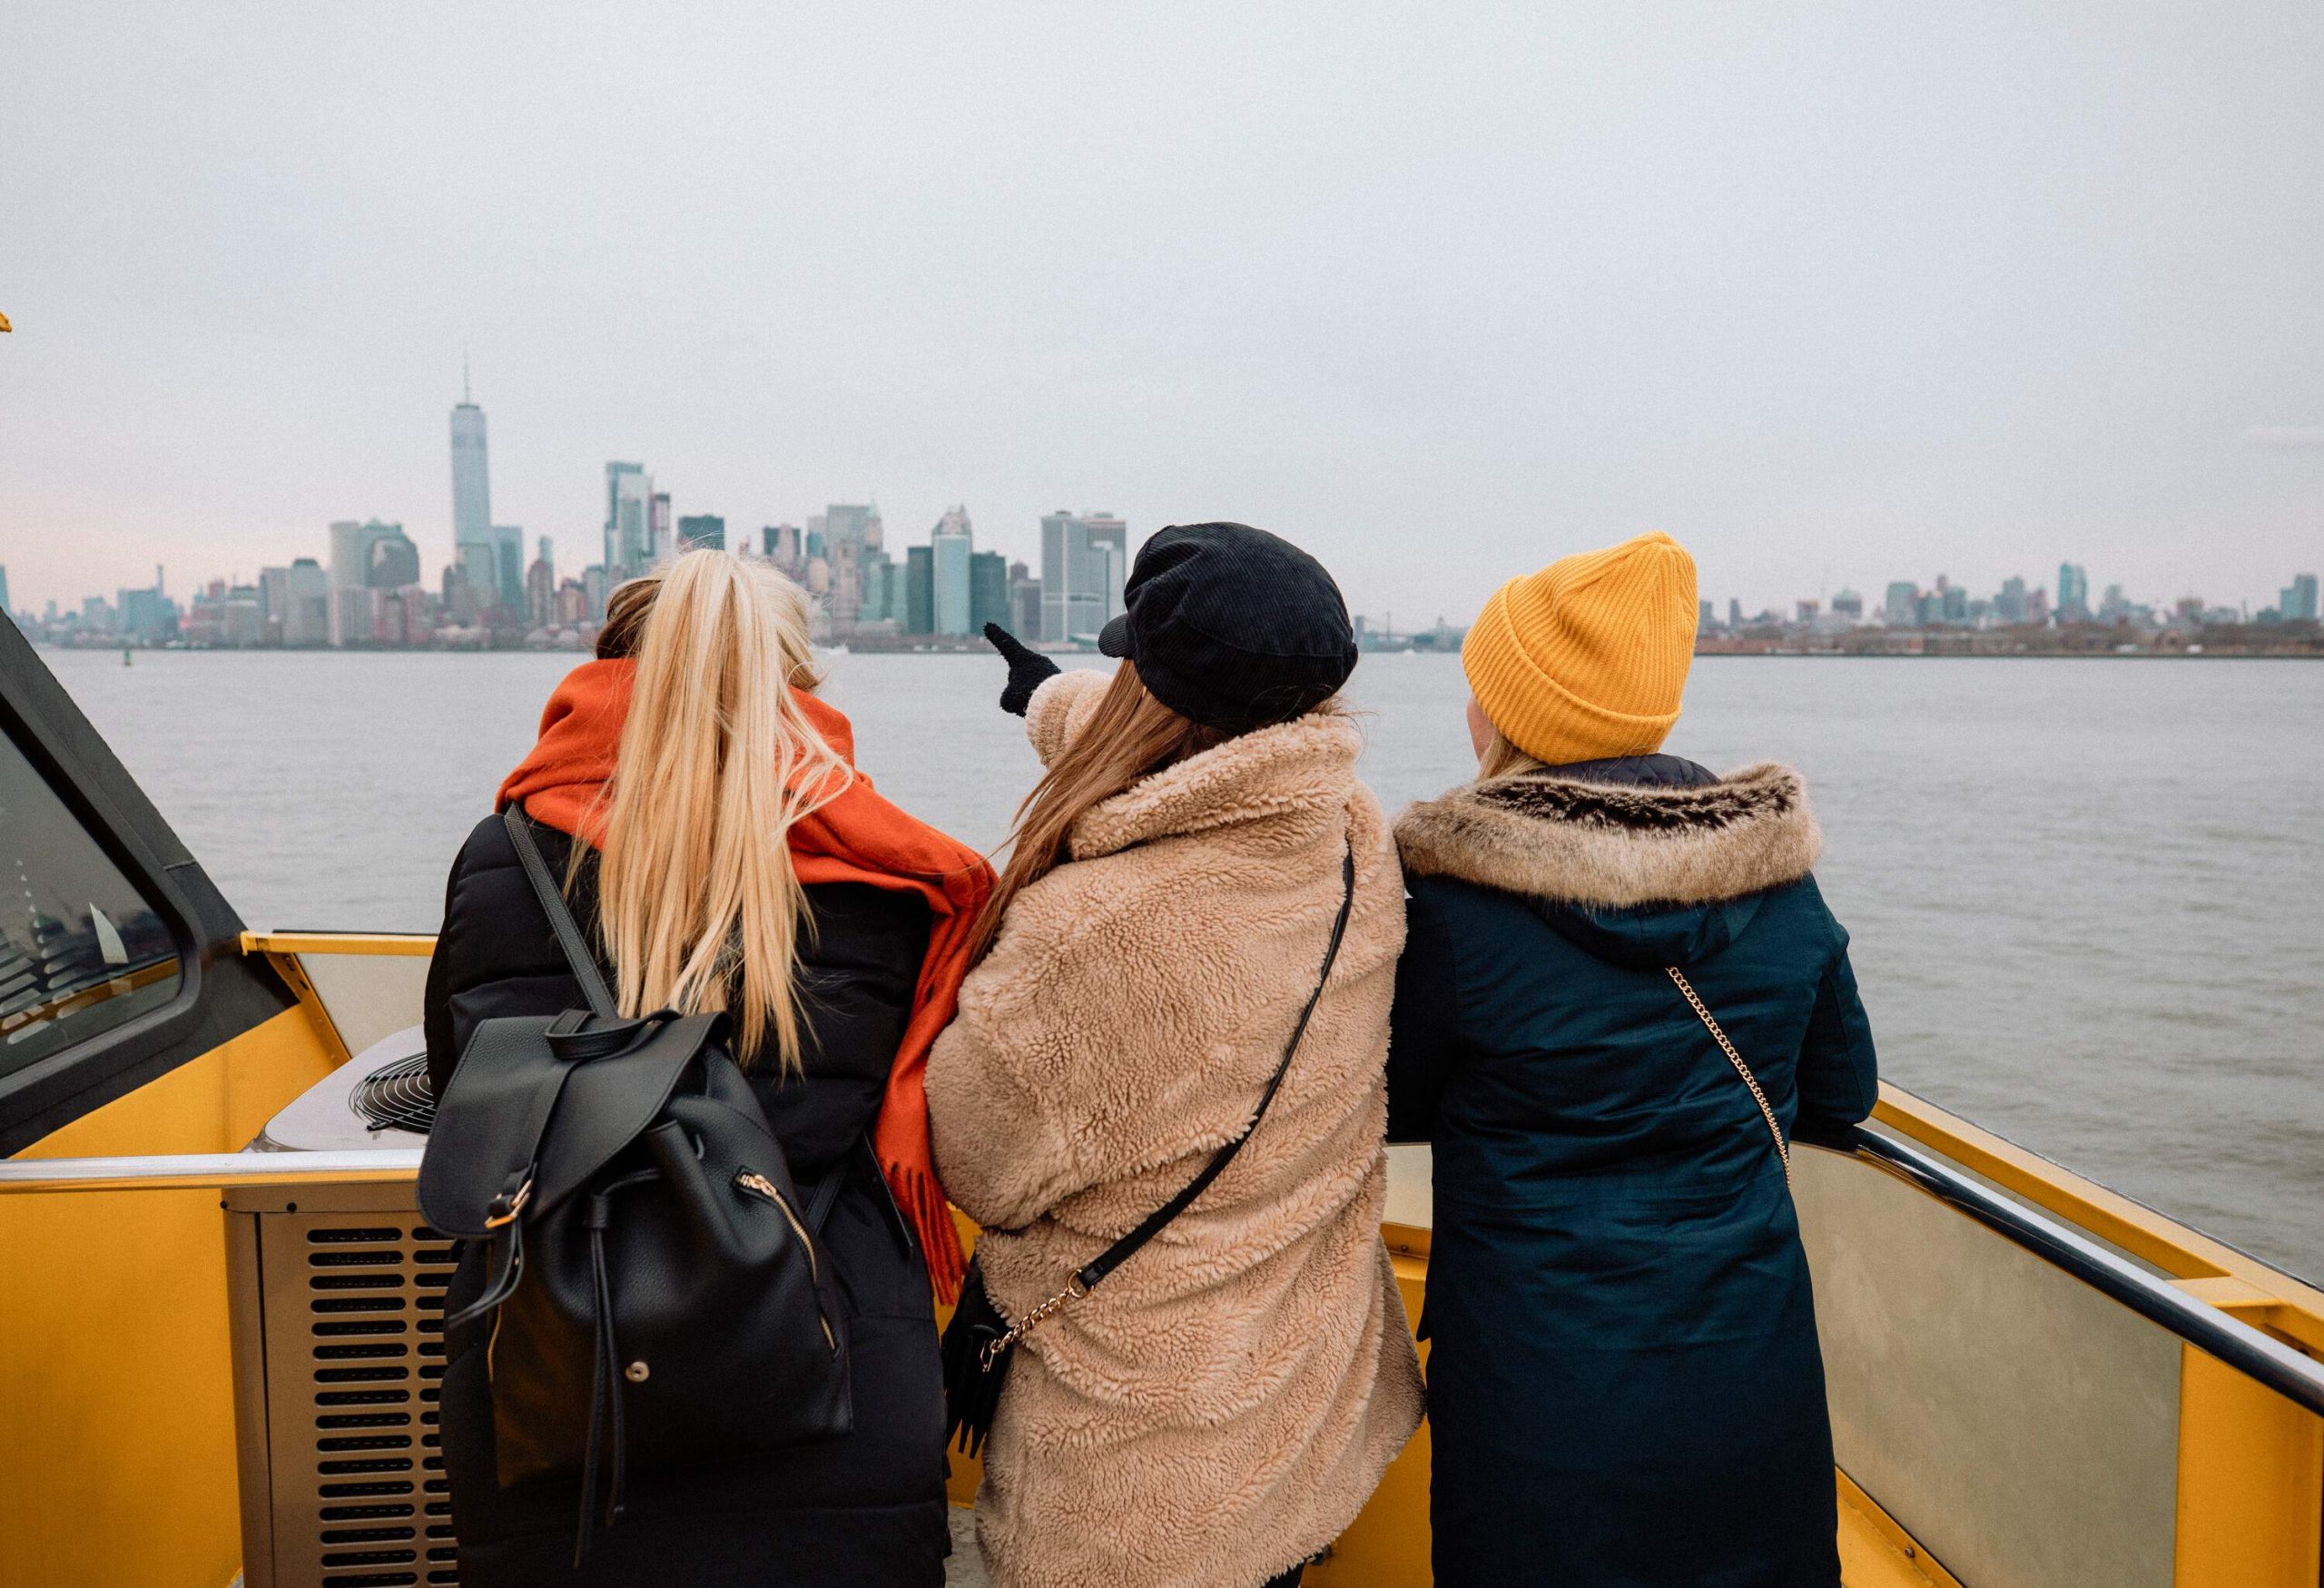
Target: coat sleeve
pixel 1424 1026
pixel 1061 709
pixel 1839 1076
pixel 1002 1147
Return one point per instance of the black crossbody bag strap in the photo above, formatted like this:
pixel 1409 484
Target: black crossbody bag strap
pixel 577 952
pixel 1114 1255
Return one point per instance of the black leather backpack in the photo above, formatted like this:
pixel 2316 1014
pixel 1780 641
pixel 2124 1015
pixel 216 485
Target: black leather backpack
pixel 660 1301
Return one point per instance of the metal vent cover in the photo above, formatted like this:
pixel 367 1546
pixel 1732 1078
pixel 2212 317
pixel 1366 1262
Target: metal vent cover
pixel 337 1319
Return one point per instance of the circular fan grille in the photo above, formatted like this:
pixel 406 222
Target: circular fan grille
pixel 397 1096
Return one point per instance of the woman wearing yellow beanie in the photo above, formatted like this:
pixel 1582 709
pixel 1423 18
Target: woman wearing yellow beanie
pixel 1621 996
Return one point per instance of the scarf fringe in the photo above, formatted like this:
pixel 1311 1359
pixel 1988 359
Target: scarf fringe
pixel 931 1218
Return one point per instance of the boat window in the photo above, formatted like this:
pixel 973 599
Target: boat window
pixel 82 951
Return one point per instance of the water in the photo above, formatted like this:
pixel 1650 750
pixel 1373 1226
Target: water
pixel 2087 897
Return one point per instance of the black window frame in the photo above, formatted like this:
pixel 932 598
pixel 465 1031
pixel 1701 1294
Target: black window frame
pixel 220 993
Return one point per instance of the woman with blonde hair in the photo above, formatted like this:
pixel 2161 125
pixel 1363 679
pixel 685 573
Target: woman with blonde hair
pixel 1161 979
pixel 723 851
pixel 1622 999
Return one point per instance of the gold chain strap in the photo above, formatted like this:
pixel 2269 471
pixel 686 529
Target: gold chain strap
pixel 1783 1149
pixel 1073 1291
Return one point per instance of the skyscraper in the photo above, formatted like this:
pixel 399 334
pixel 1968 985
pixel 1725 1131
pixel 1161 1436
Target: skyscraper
pixel 1085 560
pixel 366 557
pixel 660 533
pixel 952 547
pixel 1024 602
pixel 698 530
pixel 540 587
pixel 849 531
pixel 2298 603
pixel 920 589
pixel 629 493
pixel 508 586
pixel 988 590
pixel 471 492
pixel 2074 593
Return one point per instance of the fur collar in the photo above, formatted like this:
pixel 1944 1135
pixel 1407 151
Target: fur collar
pixel 1615 845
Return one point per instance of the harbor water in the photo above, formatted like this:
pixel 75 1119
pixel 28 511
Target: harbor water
pixel 2087 897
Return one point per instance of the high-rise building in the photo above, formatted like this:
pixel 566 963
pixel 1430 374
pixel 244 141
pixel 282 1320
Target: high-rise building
pixel 2297 604
pixel 298 603
pixel 1085 561
pixel 1849 606
pixel 2009 607
pixel 145 616
pixel 951 546
pixel 629 504
pixel 473 540
pixel 849 531
pixel 540 587
pixel 1901 607
pixel 365 558
pixel 988 590
pixel 2074 593
pixel 508 590
pixel 700 530
pixel 596 586
pixel 920 589
pixel 661 532
pixel 779 544
pixel 1734 613
pixel 1705 619
pixel 876 582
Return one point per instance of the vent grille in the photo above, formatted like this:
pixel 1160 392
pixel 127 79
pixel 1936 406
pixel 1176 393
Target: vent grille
pixel 354 1346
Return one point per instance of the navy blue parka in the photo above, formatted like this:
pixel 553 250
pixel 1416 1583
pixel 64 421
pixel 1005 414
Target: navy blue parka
pixel 1624 1381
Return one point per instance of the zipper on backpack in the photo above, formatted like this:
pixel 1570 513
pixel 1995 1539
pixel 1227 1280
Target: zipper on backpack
pixel 764 1189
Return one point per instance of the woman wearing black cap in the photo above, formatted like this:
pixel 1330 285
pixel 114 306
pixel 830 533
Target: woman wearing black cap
pixel 1198 864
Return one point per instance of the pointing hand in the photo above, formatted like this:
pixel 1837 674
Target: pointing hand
pixel 1028 669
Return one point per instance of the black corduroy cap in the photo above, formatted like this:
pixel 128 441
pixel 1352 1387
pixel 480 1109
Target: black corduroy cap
pixel 1231 627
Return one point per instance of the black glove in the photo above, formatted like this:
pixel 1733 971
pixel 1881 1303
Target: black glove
pixel 1027 670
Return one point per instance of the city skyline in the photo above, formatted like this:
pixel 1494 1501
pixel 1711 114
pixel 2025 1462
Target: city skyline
pixel 1822 293
pixel 1081 562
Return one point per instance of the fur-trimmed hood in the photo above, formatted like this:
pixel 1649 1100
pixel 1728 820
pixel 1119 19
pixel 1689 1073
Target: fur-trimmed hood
pixel 1607 845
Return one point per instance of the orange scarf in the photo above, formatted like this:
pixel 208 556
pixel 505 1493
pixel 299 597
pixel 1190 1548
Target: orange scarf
pixel 858 837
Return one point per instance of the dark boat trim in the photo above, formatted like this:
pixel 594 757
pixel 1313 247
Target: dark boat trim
pixel 221 994
pixel 2257 1356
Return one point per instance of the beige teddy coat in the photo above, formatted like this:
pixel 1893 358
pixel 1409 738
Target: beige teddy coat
pixel 1223 1405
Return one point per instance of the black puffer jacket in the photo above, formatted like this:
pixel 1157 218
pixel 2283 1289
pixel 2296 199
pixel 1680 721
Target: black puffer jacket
pixel 868 1511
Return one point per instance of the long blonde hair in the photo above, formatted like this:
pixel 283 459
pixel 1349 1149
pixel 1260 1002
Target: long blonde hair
pixel 1130 736
pixel 1503 759
pixel 699 905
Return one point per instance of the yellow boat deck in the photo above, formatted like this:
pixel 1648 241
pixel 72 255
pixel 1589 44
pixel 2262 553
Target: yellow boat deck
pixel 2017 1422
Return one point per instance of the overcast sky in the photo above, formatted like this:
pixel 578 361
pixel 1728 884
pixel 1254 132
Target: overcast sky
pixel 1835 293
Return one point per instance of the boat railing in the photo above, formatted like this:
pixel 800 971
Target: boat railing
pixel 2248 1350
pixel 2255 1353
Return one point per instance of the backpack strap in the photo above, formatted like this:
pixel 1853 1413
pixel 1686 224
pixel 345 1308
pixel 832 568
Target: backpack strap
pixel 577 952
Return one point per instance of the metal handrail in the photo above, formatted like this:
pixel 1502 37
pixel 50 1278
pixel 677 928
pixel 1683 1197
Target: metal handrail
pixel 2257 1356
pixel 168 1171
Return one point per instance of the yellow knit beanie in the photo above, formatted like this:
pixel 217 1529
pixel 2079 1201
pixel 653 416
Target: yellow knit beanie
pixel 1587 658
